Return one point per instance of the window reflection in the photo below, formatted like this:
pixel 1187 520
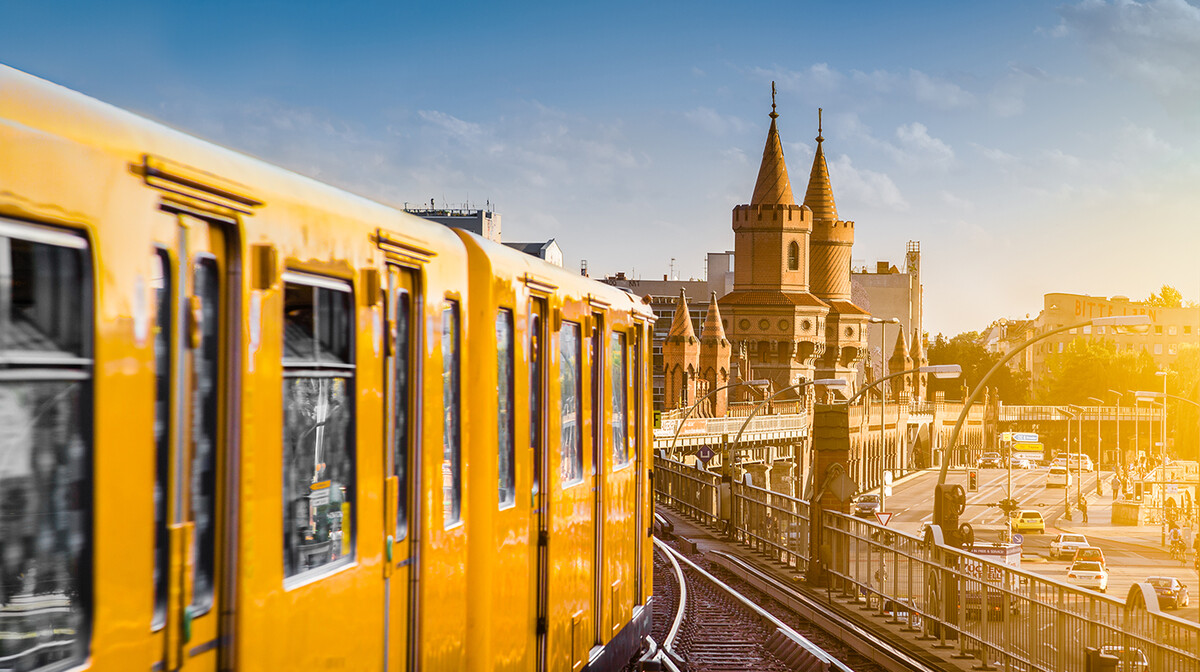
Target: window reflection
pixel 617 397
pixel 504 408
pixel 571 446
pixel 451 455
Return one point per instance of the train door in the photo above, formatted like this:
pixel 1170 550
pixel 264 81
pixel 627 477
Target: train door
pixel 540 532
pixel 597 364
pixel 403 316
pixel 192 337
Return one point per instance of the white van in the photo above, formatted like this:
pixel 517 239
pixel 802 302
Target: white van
pixel 1058 477
pixel 1080 463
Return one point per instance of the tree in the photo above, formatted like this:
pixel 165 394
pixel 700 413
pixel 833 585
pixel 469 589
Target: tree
pixel 1090 368
pixel 967 351
pixel 1167 297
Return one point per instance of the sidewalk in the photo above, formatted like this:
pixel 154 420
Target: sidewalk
pixel 1100 525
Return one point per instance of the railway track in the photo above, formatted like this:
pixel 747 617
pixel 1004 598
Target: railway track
pixel 711 626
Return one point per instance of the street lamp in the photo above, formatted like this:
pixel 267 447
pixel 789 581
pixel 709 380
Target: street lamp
pixel 1097 465
pixel 1111 321
pixel 1072 412
pixel 940 371
pixel 679 427
pixel 1117 415
pixel 882 402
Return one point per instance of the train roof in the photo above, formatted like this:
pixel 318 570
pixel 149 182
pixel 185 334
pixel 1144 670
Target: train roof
pixel 33 104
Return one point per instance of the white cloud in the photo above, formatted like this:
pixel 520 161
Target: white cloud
pixel 917 146
pixel 1061 159
pixel 715 123
pixel 453 126
pixel 865 186
pixel 818 75
pixel 955 201
pixel 924 88
pixel 1156 43
pixel 996 155
pixel 1138 141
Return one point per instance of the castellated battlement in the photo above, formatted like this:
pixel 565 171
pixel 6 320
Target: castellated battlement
pixel 788 215
pixel 840 231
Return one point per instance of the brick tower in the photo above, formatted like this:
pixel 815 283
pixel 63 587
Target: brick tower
pixel 681 359
pixel 900 361
pixel 829 270
pixel 775 324
pixel 920 383
pixel 714 357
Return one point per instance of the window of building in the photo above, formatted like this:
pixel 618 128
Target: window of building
pixel 1087 329
pixel 318 424
pixel 1100 330
pixel 45 449
pixel 793 256
pixel 1187 329
pixel 1172 349
pixel 1171 330
pixel 617 378
pixel 1158 348
pixel 571 446
pixel 1060 347
pixel 451 418
pixel 505 435
pixel 1158 329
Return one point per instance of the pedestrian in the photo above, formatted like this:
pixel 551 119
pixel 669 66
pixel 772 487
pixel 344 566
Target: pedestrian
pixel 1116 486
pixel 1083 508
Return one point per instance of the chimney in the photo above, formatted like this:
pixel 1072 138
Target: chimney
pixel 881 267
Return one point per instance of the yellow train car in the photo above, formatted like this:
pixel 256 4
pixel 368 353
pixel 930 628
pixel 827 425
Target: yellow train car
pixel 252 422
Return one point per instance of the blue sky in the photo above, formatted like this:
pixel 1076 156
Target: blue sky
pixel 1030 147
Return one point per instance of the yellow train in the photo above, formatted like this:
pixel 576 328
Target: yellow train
pixel 251 422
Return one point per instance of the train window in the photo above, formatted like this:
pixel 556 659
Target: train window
pixel 205 369
pixel 400 429
pixel 571 447
pixel 451 421
pixel 318 424
pixel 505 439
pixel 45 448
pixel 616 358
pixel 160 281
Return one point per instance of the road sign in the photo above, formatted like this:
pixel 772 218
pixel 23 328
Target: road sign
pixel 843 487
pixel 884 517
pixel 704 454
pixel 1018 538
pixel 887 477
pixel 1025 437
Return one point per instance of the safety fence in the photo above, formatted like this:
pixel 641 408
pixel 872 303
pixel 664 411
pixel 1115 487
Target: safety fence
pixel 998 614
pixel 691 491
pixel 731 425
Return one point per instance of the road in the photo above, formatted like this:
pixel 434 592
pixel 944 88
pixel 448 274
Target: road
pixel 1132 553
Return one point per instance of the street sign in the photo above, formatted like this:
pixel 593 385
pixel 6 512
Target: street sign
pixel 887 477
pixel 884 517
pixel 1025 437
pixel 704 454
pixel 1006 436
pixel 1018 538
pixel 843 487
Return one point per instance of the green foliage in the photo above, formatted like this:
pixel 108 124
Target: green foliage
pixel 1167 297
pixel 1090 368
pixel 967 351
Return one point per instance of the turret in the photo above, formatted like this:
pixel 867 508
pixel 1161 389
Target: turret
pixel 832 239
pixel 900 361
pixel 715 352
pixel 681 359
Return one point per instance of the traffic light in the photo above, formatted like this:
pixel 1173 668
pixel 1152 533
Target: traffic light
pixel 948 504
pixel 974 480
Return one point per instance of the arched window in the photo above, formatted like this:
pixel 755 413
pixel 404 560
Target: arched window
pixel 793 256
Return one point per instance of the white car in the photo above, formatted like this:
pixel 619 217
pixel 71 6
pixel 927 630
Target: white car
pixel 1086 574
pixel 1065 545
pixel 1059 477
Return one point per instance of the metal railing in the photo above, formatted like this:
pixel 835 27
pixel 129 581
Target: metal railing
pixel 995 613
pixel 718 426
pixel 773 524
pixel 691 491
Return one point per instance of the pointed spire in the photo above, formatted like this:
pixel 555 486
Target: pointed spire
pixel 918 352
pixel 773 186
pixel 681 324
pixel 819 197
pixel 712 321
pixel 899 353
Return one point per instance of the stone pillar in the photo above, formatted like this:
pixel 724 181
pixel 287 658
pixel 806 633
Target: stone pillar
pixel 782 477
pixel 760 474
pixel 831 453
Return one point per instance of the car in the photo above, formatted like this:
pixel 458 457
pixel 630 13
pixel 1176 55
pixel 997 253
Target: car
pixel 1089 554
pixel 1087 574
pixel 1027 521
pixel 1080 463
pixel 992 460
pixel 866 505
pixel 1021 463
pixel 1128 660
pixel 1059 462
pixel 1172 594
pixel 1065 545
pixel 1059 477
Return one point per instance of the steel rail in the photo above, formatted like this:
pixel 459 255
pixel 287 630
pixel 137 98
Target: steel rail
pixel 817 652
pixel 669 640
pixel 870 639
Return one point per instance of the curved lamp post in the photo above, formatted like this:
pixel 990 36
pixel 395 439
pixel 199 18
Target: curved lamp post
pixel 1112 321
pixel 679 427
pixel 881 321
pixel 837 382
